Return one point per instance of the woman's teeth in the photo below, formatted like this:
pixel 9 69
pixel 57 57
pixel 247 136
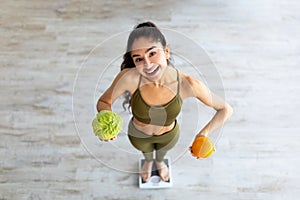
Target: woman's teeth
pixel 153 71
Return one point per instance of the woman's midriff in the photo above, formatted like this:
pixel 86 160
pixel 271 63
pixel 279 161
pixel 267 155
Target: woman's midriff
pixel 150 129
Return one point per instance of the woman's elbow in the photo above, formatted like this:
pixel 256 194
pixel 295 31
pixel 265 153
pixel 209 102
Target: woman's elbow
pixel 228 110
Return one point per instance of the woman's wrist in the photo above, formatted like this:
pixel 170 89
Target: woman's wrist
pixel 201 134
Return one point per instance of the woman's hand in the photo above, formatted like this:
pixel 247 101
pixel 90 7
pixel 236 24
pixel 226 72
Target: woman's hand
pixel 111 139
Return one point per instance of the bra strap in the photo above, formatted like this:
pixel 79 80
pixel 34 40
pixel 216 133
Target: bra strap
pixel 140 80
pixel 178 86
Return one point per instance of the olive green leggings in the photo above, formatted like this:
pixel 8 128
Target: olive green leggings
pixel 148 143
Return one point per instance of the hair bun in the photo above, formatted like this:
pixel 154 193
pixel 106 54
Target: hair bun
pixel 146 24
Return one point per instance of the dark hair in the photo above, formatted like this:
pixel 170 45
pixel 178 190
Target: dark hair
pixel 145 29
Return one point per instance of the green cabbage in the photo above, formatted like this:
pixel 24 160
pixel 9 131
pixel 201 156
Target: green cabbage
pixel 107 124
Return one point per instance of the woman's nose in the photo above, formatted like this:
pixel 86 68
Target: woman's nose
pixel 147 62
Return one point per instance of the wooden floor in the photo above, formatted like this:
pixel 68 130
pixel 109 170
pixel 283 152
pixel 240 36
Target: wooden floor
pixel 58 56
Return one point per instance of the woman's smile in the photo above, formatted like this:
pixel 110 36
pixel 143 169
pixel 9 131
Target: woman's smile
pixel 153 71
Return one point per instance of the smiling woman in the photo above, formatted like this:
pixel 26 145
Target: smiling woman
pixel 156 90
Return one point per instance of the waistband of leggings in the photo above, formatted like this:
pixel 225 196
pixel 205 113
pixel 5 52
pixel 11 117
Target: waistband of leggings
pixel 140 134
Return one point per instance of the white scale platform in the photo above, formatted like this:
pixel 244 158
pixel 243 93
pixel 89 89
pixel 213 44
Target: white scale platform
pixel 155 181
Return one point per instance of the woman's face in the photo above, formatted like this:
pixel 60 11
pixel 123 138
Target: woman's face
pixel 150 58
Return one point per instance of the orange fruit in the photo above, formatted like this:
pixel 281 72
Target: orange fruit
pixel 202 147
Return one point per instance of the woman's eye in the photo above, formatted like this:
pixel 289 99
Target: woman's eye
pixel 138 60
pixel 152 53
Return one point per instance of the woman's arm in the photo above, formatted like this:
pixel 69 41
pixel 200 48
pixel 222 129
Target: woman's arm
pixel 123 82
pixel 202 93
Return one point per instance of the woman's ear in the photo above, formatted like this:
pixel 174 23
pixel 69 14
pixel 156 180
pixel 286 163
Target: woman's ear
pixel 167 52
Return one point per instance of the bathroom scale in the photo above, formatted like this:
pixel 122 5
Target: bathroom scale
pixel 155 182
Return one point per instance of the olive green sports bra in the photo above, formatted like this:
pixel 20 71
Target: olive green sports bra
pixel 160 115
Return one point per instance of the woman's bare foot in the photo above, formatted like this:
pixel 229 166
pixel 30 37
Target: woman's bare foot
pixel 163 170
pixel 146 170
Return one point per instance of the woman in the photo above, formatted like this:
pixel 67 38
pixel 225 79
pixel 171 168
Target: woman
pixel 156 90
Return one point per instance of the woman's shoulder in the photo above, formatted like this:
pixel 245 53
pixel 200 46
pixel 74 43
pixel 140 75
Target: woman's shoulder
pixel 188 79
pixel 129 74
pixel 127 78
pixel 188 84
